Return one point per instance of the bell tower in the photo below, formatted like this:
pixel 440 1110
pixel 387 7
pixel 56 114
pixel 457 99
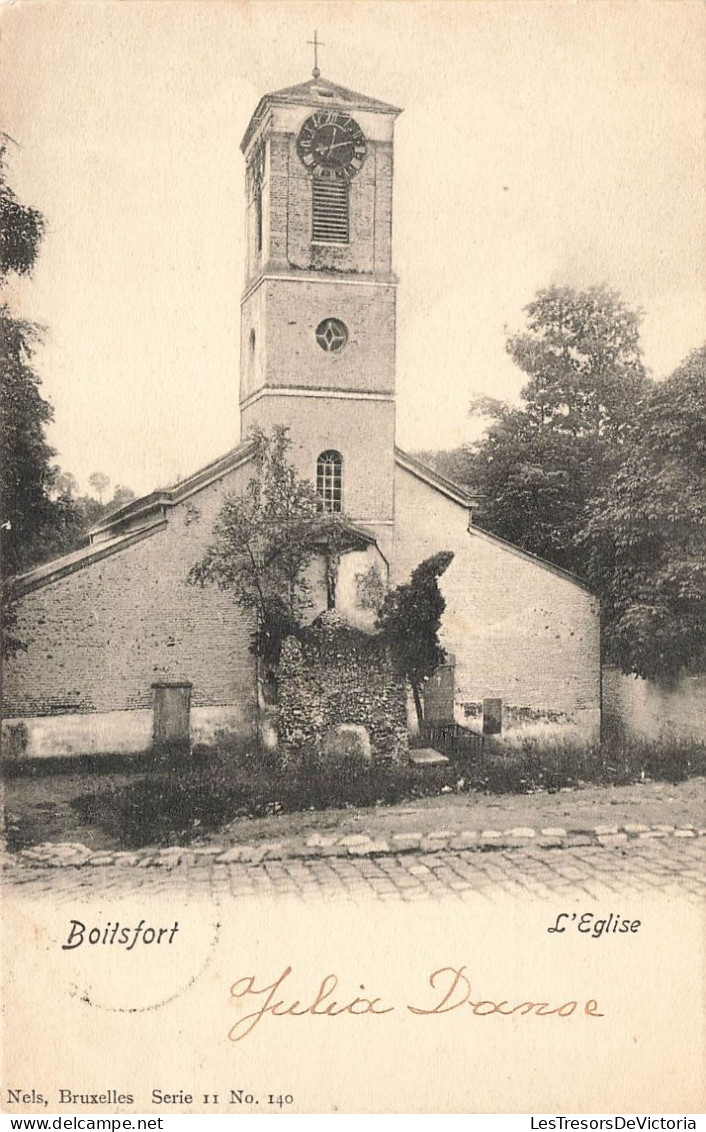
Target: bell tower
pixel 318 307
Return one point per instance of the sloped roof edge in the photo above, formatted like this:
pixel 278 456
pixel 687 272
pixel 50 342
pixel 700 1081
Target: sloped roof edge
pixel 307 93
pixel 169 496
pixel 440 483
pixel 50 572
pixel 459 495
pixel 355 532
pixel 157 501
pixel 527 554
pixel 150 508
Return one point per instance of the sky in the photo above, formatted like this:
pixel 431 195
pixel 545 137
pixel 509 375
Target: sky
pixel 540 143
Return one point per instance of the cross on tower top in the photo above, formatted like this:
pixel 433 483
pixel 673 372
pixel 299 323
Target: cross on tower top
pixel 316 44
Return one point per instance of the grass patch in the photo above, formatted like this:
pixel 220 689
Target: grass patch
pixel 176 803
pixel 540 765
pixel 179 799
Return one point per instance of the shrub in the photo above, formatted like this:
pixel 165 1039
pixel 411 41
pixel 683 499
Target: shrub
pixel 176 800
pixel 174 804
pixel 536 765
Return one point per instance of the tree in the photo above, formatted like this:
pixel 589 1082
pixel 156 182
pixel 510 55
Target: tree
pixel 42 517
pixel 410 620
pixel 540 466
pixel 74 514
pixel 39 514
pixel 455 464
pixel 265 538
pixel 100 483
pixel 25 471
pixel 121 495
pixel 24 454
pixel 646 534
pixel 65 483
pixel 21 227
pixel 581 351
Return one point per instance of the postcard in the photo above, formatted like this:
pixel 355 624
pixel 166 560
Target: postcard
pixel 353 639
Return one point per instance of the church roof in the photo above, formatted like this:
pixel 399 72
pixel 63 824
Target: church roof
pixel 143 517
pixel 459 495
pixel 155 503
pixel 165 497
pixel 440 483
pixel 316 92
pixel 85 556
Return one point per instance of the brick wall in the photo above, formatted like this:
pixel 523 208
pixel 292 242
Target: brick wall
pixel 287 207
pixel 100 637
pixel 518 630
pixel 253 326
pixel 284 313
pixel 370 209
pixel 362 431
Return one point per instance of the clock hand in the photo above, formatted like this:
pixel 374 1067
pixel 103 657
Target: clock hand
pixel 330 145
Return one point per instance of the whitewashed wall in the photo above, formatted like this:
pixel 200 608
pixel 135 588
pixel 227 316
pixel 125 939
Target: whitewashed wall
pixel 652 711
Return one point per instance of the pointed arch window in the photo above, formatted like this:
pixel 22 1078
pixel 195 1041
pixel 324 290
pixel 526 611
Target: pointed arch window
pixel 329 481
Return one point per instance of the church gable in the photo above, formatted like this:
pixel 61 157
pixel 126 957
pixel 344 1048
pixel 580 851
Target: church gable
pixel 141 518
pixel 440 483
pixel 139 511
pixel 519 629
pixel 316 92
pixel 467 501
pixel 101 628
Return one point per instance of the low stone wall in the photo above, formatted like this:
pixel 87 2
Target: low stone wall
pixel 644 709
pixel 112 732
pixel 337 674
pixel 520 723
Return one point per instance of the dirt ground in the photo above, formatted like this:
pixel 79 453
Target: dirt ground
pixel 38 808
pixel 651 803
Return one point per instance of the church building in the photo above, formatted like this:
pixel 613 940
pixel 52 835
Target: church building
pixel 114 627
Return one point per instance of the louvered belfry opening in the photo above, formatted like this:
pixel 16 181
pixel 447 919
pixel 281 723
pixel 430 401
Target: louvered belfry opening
pixel 330 211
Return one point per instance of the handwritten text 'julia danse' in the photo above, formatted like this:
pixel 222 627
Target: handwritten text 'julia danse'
pixel 450 990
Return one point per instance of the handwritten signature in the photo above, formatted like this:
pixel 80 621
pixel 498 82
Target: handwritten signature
pixel 451 988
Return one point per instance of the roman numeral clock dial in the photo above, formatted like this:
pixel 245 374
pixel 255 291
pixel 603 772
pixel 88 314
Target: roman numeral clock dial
pixel 331 144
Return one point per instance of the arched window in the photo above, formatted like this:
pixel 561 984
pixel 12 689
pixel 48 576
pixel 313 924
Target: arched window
pixel 329 481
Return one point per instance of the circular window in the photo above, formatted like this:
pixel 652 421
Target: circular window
pixel 332 335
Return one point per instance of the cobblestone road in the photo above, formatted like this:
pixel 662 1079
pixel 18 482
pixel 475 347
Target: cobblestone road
pixel 670 867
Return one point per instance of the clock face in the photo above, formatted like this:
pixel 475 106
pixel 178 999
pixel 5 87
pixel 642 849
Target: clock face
pixel 331 144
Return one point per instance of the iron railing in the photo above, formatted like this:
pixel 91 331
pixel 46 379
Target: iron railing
pixel 452 739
